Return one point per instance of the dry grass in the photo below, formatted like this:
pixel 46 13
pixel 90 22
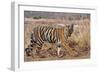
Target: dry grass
pixel 79 40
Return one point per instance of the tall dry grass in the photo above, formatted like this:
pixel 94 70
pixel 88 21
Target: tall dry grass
pixel 81 34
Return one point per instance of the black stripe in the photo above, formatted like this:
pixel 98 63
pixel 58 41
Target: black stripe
pixel 39 38
pixel 51 35
pixel 47 33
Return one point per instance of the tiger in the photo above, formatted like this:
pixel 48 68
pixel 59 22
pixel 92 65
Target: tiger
pixel 51 34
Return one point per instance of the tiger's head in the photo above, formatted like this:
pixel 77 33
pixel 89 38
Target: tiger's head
pixel 69 30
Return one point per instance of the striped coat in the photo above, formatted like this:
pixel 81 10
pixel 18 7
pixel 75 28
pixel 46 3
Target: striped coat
pixel 57 35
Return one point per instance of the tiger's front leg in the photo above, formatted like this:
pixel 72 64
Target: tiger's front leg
pixel 61 52
pixel 58 51
pixel 71 51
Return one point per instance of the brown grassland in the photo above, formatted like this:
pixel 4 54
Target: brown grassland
pixel 79 40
